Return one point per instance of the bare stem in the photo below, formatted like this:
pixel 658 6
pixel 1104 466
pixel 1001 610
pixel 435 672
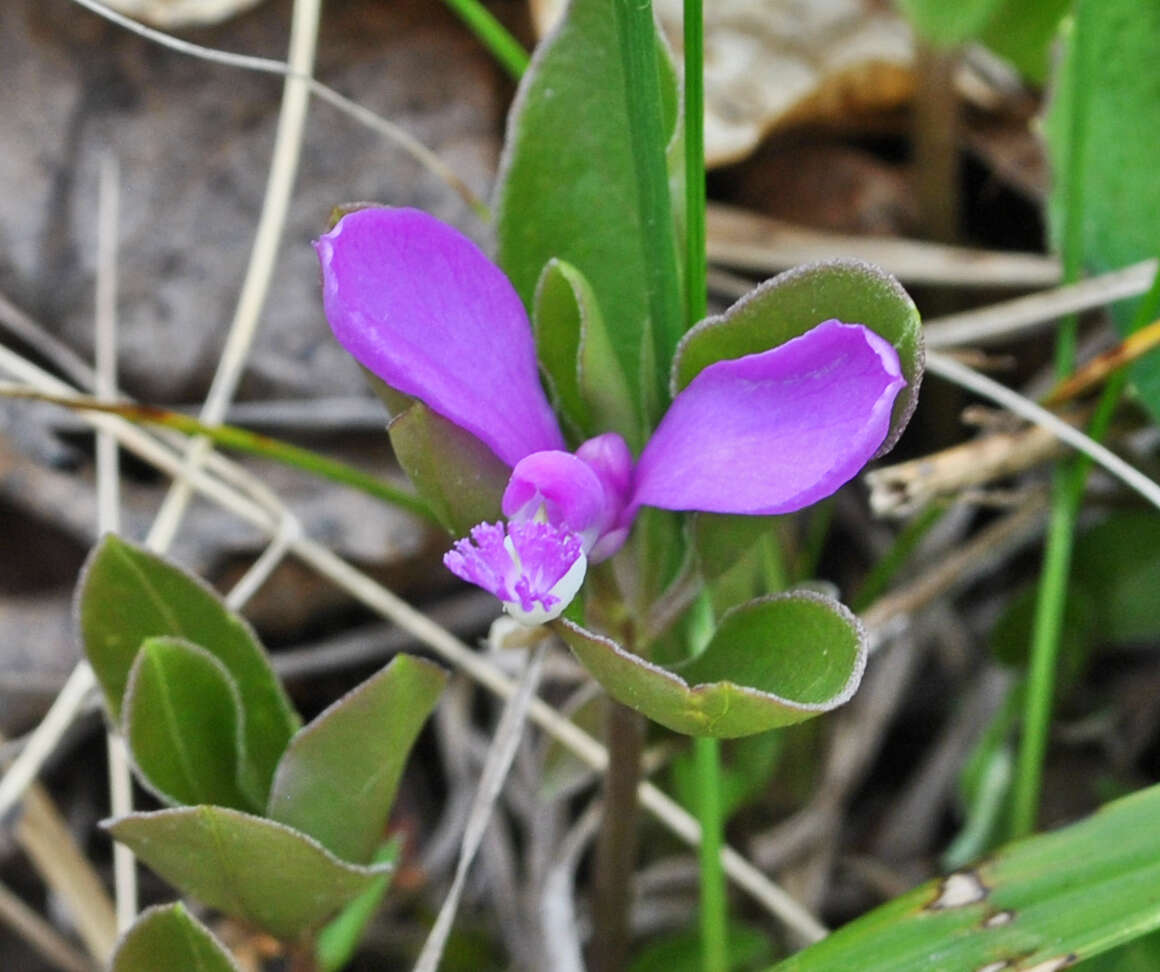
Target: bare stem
pixel 616 847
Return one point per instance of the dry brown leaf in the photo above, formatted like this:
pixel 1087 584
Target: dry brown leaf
pixel 770 63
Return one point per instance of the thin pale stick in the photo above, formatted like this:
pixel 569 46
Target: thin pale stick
pixel 261 569
pixel 259 272
pixel 265 65
pixel 1015 318
pixel 48 842
pixel 38 933
pixel 390 606
pixel 491 780
pixel 109 506
pixel 43 740
pixel 960 374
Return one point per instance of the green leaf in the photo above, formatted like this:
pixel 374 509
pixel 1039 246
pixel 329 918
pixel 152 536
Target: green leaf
pixel 257 870
pixel 745 773
pixel 1042 903
pixel 1142 955
pixel 946 23
pixel 772 662
pixel 749 948
pixel 1120 83
pixel 338 777
pixel 1117 562
pixel 798 300
pixel 127 594
pixel 567 183
pixel 182 720
pixel 1022 32
pixel 169 937
pixel 740 557
pixel 451 469
pixel 586 380
pixel 338 941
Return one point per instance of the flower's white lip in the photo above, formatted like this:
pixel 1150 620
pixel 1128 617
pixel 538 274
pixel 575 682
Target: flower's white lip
pixel 564 590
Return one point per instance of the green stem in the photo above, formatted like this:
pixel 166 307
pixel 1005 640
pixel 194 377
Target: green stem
pixel 242 440
pixel 696 260
pixel 1068 483
pixel 493 35
pixel 707 768
pixel 714 906
pixel 617 843
pixel 638 47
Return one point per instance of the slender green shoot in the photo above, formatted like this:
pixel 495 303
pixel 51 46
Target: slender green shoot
pixel 493 35
pixel 696 260
pixel 638 47
pixel 880 576
pixel 1068 482
pixel 242 440
pixel 707 751
pixel 714 905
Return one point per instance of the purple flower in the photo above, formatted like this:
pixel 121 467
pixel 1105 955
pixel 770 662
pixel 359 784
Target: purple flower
pixel 420 305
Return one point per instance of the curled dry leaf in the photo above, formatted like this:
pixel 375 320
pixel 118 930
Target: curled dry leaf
pixel 769 63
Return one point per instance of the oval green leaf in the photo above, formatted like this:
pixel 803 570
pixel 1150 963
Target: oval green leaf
pixel 1045 903
pixel 182 720
pixel 796 301
pixel 255 869
pixel 169 937
pixel 127 594
pixel 772 662
pixel 567 182
pixel 338 777
pixel 572 342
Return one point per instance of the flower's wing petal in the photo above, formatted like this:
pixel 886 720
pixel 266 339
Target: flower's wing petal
pixel 776 431
pixel 419 304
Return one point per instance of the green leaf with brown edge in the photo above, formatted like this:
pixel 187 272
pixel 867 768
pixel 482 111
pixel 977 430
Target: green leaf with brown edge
pixel 796 301
pixel 585 377
pixel 127 594
pixel 338 777
pixel 772 662
pixel 254 869
pixel 169 937
pixel 182 720
pixel 1044 903
pixel 567 182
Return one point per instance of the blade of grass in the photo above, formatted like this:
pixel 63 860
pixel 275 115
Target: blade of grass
pixel 493 35
pixel 707 751
pixel 240 440
pixel 638 46
pixel 1067 482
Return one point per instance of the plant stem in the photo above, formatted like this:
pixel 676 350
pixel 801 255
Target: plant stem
pixel 714 906
pixel 638 47
pixel 241 440
pixel 1067 485
pixel 696 260
pixel 616 846
pixel 493 35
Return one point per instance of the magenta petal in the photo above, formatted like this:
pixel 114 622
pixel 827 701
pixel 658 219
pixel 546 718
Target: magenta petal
pixel 558 484
pixel 419 305
pixel 776 431
pixel 535 569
